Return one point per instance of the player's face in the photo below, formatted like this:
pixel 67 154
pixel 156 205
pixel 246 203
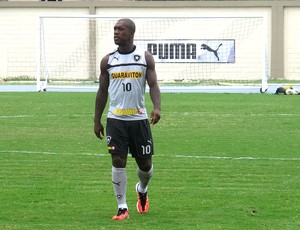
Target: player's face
pixel 122 35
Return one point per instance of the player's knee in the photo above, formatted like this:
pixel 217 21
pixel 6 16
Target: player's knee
pixel 145 165
pixel 118 161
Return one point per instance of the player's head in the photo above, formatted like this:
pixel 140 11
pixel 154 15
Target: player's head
pixel 124 31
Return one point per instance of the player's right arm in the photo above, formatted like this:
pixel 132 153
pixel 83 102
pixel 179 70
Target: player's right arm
pixel 101 98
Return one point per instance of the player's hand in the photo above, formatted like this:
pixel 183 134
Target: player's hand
pixel 99 130
pixel 155 116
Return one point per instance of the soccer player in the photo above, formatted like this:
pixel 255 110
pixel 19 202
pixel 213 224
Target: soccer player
pixel 123 77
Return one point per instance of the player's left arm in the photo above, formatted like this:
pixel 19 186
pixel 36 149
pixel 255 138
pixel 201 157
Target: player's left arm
pixel 153 88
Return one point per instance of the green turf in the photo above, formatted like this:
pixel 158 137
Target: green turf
pixel 222 161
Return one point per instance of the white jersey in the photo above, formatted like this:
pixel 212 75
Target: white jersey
pixel 127 82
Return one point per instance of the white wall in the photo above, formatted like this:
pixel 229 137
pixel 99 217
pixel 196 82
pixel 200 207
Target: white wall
pixel 18 28
pixel 19 36
pixel 19 44
pixel 292 43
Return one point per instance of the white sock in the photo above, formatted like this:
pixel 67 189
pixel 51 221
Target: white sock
pixel 119 180
pixel 144 179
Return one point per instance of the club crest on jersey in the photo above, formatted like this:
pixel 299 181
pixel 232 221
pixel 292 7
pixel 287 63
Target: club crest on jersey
pixel 137 57
pixel 108 139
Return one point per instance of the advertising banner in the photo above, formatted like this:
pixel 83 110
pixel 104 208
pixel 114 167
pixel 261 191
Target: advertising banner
pixel 190 51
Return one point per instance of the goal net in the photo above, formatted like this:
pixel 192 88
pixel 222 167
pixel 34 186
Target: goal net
pixel 196 50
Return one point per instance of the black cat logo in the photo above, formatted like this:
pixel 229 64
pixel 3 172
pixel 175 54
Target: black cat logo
pixel 206 47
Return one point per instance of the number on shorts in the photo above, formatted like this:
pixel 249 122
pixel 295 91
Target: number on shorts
pixel 146 149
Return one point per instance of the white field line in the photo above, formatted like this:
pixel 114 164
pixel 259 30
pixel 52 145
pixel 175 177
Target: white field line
pixel 52 153
pixel 240 158
pixel 176 156
pixel 17 116
pixel 182 113
pixel 46 115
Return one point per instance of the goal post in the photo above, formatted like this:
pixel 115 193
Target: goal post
pixel 198 50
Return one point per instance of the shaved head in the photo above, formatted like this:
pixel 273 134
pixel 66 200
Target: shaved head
pixel 124 31
pixel 129 24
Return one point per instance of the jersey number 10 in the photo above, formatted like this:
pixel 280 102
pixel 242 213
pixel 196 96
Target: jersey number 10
pixel 126 87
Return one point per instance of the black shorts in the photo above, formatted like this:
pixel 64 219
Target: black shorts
pixel 129 136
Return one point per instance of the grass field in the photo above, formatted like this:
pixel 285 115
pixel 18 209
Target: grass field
pixel 222 161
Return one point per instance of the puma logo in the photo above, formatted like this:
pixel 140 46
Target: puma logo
pixel 116 58
pixel 117 183
pixel 206 47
